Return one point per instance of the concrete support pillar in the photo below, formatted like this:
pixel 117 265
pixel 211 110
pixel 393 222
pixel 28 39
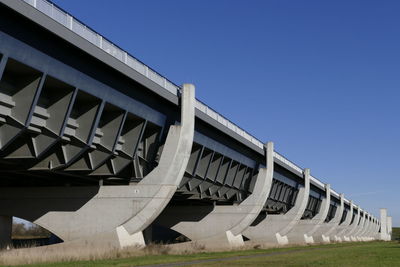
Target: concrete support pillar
pixel 304 230
pixel 353 226
pixel 112 215
pixel 224 225
pixel 274 228
pixel 328 230
pixel 368 235
pixel 384 224
pixel 344 226
pixel 5 231
pixel 365 229
pixel 359 228
pixel 365 235
pixel 373 231
pixel 389 228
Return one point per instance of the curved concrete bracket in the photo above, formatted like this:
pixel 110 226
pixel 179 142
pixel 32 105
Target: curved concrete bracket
pixel 171 167
pixel 274 228
pixel 303 231
pixel 354 225
pixel 358 228
pixel 344 226
pixel 224 224
pixel 110 214
pixel 334 223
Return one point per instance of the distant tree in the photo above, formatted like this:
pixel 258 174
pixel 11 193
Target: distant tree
pixel 33 230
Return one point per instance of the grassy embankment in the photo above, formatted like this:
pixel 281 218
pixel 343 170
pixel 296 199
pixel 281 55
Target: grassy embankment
pixel 345 254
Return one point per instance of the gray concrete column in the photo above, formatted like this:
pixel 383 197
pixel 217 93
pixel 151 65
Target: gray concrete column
pixel 344 226
pixel 113 215
pixel 5 231
pixel 304 230
pixel 389 228
pixel 383 233
pixel 224 225
pixel 274 228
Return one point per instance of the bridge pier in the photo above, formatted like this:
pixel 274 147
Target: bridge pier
pixel 354 236
pixel 113 215
pixel 328 229
pixel 303 231
pixel 5 231
pixel 344 226
pixel 274 228
pixel 352 227
pixel 223 225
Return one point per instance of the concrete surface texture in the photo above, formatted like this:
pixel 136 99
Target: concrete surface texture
pixel 100 149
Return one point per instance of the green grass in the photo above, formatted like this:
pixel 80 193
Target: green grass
pixel 346 254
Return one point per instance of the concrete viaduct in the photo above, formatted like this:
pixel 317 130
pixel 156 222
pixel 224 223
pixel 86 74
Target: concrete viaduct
pixel 95 146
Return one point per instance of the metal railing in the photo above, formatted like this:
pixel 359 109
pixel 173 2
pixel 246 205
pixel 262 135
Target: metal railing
pixel 107 46
pixel 317 182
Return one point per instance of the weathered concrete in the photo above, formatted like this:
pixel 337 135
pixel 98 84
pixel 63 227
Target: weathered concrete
pixel 224 225
pixel 344 226
pixel 304 230
pixel 327 229
pixel 384 233
pixel 5 231
pixel 110 214
pixel 274 228
pixel 359 227
pixel 361 235
pixel 353 227
pixel 389 228
pixel 368 234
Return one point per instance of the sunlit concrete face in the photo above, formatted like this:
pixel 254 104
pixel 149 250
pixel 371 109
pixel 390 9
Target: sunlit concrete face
pixel 98 151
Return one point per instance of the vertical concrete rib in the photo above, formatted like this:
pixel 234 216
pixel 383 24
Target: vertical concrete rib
pixel 383 234
pixel 304 230
pixel 389 228
pixel 274 228
pixel 224 225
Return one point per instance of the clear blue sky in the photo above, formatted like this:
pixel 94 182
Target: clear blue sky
pixel 319 78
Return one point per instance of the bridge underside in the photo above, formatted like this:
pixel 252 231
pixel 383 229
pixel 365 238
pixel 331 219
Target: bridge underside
pixel 95 152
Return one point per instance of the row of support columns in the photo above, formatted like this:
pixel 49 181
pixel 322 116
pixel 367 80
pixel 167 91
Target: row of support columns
pixel 118 215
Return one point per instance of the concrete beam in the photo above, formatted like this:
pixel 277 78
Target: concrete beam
pixel 274 228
